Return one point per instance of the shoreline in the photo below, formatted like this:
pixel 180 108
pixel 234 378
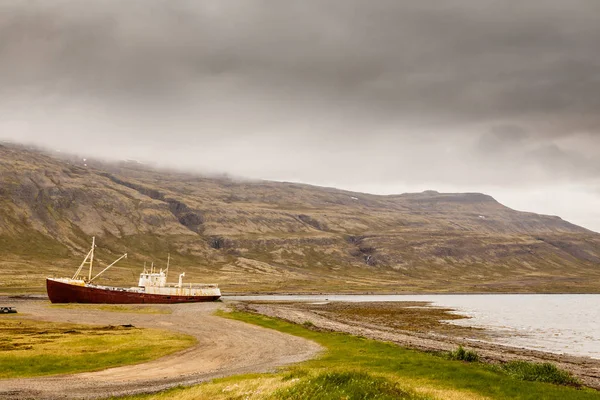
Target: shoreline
pixel 585 368
pixel 42 296
pixel 248 294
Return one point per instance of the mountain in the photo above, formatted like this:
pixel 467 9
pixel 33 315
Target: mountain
pixel 253 236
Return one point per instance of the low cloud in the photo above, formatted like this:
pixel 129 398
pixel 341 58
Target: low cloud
pixel 393 93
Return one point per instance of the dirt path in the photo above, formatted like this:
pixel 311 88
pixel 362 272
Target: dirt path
pixel 225 347
pixel 587 369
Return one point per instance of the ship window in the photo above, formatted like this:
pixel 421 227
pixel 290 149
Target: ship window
pixel 168 297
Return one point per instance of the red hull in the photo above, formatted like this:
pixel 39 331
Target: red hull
pixel 60 292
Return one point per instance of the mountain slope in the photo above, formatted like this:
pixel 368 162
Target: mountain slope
pixel 271 236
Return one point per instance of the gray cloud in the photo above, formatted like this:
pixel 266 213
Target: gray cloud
pixel 466 60
pixel 502 138
pixel 344 92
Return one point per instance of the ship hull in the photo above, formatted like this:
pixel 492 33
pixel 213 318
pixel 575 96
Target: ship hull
pixel 61 292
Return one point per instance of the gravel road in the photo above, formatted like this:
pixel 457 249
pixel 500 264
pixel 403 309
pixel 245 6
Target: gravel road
pixel 225 347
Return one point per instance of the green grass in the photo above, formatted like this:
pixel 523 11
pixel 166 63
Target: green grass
pixel 34 348
pixel 539 372
pixel 345 385
pixel 414 368
pixel 355 368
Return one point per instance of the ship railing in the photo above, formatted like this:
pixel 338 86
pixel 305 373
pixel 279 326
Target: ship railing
pixel 193 285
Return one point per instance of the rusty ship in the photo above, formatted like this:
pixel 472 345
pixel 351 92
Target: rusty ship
pixel 152 287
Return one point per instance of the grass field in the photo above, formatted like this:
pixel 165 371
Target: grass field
pixel 34 348
pixel 358 368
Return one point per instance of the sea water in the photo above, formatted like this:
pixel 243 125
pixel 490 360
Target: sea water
pixel 557 323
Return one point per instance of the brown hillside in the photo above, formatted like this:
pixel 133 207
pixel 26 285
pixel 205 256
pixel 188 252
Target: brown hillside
pixel 272 236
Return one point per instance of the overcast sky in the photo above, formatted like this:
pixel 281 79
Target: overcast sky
pixel 501 97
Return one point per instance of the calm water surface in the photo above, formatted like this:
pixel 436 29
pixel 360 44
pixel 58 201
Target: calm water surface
pixel 558 323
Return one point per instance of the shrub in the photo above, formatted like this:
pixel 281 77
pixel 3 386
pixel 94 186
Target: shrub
pixel 308 325
pixel 464 355
pixel 539 372
pixel 345 385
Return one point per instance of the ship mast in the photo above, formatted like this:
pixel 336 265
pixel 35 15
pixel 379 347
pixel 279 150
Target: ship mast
pixel 90 256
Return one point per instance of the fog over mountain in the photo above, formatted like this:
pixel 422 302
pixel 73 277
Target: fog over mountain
pixel 500 97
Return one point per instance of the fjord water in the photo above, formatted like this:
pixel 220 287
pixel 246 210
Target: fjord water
pixel 557 323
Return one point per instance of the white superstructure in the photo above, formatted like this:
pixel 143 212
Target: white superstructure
pixel 156 283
